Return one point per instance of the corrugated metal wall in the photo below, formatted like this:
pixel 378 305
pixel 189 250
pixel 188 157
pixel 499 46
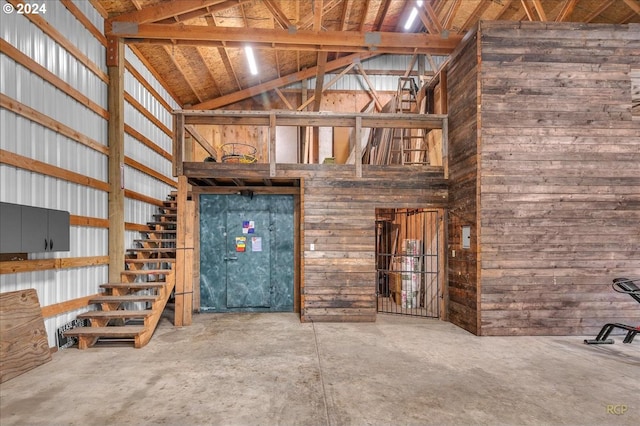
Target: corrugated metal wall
pixel 380 83
pixel 35 141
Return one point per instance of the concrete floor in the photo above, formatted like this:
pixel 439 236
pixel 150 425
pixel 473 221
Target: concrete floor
pixel 269 369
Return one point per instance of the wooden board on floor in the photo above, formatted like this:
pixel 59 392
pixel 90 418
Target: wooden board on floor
pixel 23 338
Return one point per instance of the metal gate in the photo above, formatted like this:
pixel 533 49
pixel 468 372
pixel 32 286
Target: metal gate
pixel 408 261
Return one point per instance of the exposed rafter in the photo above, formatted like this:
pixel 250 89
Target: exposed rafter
pixel 540 10
pixel 603 6
pixel 270 85
pixel 566 11
pixel 633 4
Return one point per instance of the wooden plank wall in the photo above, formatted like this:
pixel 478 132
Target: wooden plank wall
pixel 462 74
pixel 339 220
pixel 559 180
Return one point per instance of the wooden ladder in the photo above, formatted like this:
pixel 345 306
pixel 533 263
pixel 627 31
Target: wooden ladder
pixel 408 145
pixel 131 309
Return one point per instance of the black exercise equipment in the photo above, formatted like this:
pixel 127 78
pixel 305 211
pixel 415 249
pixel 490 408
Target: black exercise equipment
pixel 626 286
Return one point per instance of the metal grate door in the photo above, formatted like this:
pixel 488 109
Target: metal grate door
pixel 408 261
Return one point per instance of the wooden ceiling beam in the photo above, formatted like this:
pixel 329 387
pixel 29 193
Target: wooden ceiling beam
pixel 278 14
pixel 283 99
pixel 433 16
pixel 603 6
pixel 224 55
pixel 426 21
pixel 317 15
pixel 540 10
pixel 326 86
pixel 307 21
pixel 176 64
pixel 372 90
pixel 320 70
pixel 475 15
pixel 382 12
pixel 161 11
pixel 228 4
pixel 379 42
pixel 528 10
pixel 283 81
pixel 633 5
pixel 365 12
pixel 566 11
pixel 451 13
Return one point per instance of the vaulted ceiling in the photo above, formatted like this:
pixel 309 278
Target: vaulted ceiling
pixel 196 47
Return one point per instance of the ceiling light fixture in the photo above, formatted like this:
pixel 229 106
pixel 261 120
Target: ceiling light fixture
pixel 413 15
pixel 252 60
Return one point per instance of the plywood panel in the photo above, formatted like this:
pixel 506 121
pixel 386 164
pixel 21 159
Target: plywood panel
pixel 23 338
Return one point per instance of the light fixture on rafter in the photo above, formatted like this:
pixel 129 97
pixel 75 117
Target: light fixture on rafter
pixel 413 15
pixel 253 67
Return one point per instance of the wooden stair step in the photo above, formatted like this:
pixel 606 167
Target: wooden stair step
pixel 118 314
pixel 154 260
pixel 113 331
pixel 147 272
pixel 133 286
pixel 160 231
pixel 155 240
pixel 152 249
pixel 123 299
pixel 166 215
pixel 160 223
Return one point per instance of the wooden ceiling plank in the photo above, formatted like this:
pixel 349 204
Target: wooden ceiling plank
pixel 278 14
pixel 307 21
pixel 540 10
pixel 320 70
pixel 633 5
pixel 603 6
pixel 162 11
pixel 627 18
pixel 475 15
pixel 566 11
pixel 283 81
pixel 527 10
pixel 171 55
pixel 381 42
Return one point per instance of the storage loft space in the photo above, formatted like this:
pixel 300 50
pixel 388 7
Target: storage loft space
pixel 214 147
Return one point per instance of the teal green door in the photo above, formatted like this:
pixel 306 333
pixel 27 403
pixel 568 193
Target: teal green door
pixel 246 253
pixel 248 260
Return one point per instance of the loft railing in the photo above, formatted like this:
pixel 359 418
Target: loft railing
pixel 379 138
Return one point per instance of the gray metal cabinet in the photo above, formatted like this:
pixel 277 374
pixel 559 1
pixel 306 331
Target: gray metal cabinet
pixel 26 229
pixel 10 228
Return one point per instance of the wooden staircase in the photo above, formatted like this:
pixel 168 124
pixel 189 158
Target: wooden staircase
pixel 130 310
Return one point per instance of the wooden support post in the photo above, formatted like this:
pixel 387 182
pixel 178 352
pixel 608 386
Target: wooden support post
pixel 178 146
pixel 272 145
pixel 445 147
pixel 184 257
pixel 115 130
pixel 358 147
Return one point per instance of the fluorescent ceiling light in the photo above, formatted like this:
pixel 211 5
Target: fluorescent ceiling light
pixel 252 60
pixel 412 17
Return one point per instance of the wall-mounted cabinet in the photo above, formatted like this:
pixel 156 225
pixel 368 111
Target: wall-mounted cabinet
pixel 25 229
